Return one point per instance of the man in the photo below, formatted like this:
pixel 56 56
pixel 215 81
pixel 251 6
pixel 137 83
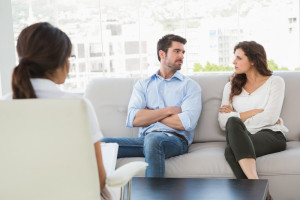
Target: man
pixel 166 107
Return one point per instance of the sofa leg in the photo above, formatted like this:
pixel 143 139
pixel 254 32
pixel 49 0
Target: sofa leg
pixel 122 192
pixel 129 190
pixel 126 187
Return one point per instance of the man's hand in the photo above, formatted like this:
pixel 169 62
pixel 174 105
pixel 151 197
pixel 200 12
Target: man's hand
pixel 146 117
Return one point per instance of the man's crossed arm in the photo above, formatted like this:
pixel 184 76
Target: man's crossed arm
pixel 167 116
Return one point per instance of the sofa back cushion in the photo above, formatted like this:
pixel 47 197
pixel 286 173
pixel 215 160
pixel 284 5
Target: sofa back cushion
pixel 291 106
pixel 110 97
pixel 212 86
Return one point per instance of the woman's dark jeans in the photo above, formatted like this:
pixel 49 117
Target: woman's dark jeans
pixel 242 144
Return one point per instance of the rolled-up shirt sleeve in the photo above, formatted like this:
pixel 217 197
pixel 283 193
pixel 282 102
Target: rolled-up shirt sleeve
pixel 136 103
pixel 223 117
pixel 191 106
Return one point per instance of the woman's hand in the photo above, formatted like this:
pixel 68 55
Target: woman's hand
pixel 250 113
pixel 226 109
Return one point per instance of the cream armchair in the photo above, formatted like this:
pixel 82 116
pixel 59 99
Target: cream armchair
pixel 46 152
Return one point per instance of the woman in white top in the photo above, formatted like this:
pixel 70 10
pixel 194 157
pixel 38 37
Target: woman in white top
pixel 250 111
pixel 44 53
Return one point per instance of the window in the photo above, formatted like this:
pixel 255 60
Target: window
pixel 118 38
pixel 96 50
pixel 80 51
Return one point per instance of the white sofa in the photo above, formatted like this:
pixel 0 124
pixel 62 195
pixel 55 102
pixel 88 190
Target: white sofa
pixel 205 158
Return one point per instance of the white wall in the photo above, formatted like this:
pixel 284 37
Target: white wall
pixel 7 48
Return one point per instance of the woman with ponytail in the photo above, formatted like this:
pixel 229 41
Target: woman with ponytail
pixel 250 111
pixel 44 53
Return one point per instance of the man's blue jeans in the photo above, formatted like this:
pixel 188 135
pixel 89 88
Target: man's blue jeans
pixel 155 147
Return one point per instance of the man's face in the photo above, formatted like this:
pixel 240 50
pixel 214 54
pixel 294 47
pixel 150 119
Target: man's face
pixel 174 57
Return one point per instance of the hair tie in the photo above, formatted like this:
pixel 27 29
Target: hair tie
pixel 23 61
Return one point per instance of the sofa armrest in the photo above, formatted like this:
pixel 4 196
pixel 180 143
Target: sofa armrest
pixel 124 174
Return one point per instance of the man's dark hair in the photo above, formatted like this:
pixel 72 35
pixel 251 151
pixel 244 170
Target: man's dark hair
pixel 165 42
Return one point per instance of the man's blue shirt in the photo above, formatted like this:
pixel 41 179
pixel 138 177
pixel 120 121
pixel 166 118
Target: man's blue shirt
pixel 156 92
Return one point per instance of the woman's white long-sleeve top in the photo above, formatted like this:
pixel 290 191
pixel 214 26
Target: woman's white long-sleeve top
pixel 268 97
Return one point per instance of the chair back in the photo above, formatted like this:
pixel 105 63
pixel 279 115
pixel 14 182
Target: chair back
pixel 46 151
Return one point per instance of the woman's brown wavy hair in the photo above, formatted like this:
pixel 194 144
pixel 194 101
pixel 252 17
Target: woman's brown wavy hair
pixel 257 55
pixel 42 49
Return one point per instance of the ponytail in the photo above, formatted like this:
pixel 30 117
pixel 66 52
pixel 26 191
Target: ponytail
pixel 42 49
pixel 21 84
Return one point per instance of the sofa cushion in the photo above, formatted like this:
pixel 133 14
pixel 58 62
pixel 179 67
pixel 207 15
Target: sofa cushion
pixel 282 163
pixel 202 160
pixel 207 160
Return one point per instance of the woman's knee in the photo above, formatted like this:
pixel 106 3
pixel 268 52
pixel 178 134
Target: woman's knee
pixel 235 123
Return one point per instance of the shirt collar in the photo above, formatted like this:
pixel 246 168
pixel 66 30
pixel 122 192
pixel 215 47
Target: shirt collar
pixel 177 75
pixel 42 83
